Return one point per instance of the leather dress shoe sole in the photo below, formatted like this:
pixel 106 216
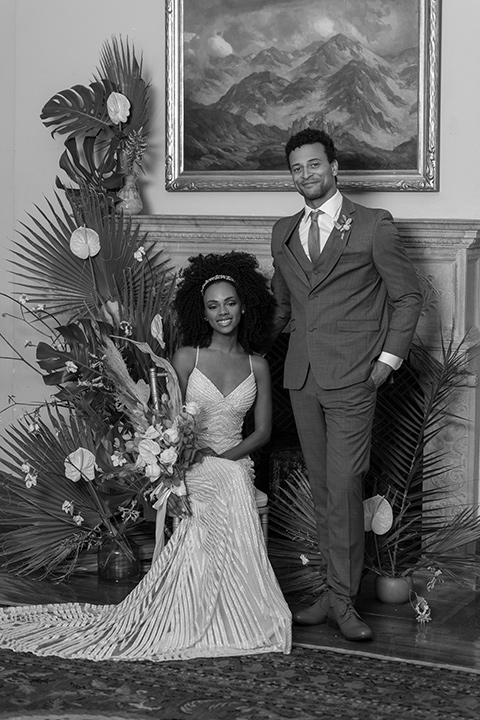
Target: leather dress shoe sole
pixel 315 614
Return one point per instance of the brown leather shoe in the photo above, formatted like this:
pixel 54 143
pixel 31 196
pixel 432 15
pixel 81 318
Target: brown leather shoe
pixel 315 614
pixel 349 622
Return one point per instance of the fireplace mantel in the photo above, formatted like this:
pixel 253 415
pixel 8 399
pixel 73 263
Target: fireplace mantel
pixel 446 254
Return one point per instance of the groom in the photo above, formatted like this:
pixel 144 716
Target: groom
pixel 349 295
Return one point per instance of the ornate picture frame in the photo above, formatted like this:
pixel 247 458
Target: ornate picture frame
pixel 232 92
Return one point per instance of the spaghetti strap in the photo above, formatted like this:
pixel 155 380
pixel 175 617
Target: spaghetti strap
pixel 196 356
pixel 251 364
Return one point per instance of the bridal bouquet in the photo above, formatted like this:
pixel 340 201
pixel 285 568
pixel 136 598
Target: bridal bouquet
pixel 165 452
pixel 164 444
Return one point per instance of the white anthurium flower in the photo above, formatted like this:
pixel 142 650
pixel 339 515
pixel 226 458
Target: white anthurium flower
pixel 148 451
pixel 151 433
pixel 84 242
pixel 80 464
pixel 71 367
pixel 67 507
pixel 156 328
pixel 78 519
pixel 118 108
pixel 25 467
pixel 192 408
pixel 153 470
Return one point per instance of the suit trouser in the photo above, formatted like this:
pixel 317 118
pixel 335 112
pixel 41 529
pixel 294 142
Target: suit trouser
pixel 335 428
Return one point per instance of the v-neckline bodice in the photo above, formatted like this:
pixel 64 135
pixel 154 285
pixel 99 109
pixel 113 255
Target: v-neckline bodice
pixel 218 389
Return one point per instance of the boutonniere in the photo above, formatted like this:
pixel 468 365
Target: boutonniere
pixel 344 225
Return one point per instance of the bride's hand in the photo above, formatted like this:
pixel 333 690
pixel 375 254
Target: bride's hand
pixel 204 452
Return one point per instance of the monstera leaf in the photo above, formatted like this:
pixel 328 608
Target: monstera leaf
pixel 80 111
pixel 92 163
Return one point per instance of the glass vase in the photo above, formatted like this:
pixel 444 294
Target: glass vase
pixel 130 200
pixel 119 561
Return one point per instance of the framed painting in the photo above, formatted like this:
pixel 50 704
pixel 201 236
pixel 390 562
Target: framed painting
pixel 243 75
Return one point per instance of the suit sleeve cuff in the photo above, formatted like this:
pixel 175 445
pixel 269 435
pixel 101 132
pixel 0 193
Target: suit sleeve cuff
pixel 392 360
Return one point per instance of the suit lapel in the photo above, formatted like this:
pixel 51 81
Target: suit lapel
pixel 289 250
pixel 335 245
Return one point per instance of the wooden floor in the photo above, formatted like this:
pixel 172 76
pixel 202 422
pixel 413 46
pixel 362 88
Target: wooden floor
pixel 451 639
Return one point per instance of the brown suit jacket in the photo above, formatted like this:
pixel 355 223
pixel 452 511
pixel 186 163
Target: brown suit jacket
pixel 360 297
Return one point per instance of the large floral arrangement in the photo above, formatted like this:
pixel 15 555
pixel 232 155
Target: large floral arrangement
pixel 113 440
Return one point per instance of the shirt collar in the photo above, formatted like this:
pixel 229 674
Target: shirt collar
pixel 331 207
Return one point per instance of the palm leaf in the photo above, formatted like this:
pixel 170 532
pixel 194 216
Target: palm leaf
pixel 43 536
pixel 45 267
pixel 293 548
pixel 119 64
pixel 406 466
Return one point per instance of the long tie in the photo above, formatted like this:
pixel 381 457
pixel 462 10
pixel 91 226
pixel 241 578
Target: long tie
pixel 314 248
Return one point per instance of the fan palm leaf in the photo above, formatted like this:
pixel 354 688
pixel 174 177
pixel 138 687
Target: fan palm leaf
pixel 292 547
pixel 119 64
pixel 43 534
pixel 47 269
pixel 407 466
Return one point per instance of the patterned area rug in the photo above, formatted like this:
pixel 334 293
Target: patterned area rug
pixel 305 685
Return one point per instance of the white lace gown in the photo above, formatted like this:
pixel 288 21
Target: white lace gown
pixel 211 592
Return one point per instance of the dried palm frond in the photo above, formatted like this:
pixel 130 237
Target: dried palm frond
pixel 132 395
pixel 293 547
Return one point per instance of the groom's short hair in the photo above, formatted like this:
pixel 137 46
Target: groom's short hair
pixel 310 136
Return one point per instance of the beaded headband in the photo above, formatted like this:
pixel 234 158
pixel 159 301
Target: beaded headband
pixel 212 279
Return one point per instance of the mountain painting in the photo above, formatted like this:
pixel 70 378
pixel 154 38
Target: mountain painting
pixel 256 71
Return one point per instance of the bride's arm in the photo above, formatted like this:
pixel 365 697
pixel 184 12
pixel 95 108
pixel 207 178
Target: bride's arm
pixel 262 414
pixel 183 362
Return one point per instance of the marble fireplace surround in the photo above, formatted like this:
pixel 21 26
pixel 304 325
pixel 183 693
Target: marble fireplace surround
pixel 446 254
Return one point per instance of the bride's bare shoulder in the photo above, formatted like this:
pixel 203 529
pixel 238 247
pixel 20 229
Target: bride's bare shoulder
pixel 184 358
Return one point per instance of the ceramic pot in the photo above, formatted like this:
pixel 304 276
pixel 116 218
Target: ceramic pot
pixel 394 590
pixel 118 561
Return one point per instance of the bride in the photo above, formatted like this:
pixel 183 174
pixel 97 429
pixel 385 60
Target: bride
pixel 211 590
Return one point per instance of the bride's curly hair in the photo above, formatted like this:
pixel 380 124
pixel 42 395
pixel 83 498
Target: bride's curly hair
pixel 251 286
